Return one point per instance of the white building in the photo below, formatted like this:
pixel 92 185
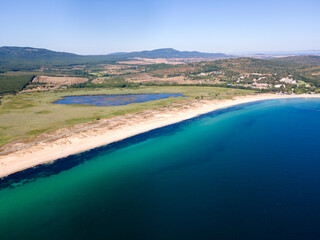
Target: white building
pixel 288 80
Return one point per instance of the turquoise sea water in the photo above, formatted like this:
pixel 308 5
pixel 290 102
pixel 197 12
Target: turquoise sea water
pixel 247 172
pixel 115 100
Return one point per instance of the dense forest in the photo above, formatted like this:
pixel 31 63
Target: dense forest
pixel 14 83
pixel 26 58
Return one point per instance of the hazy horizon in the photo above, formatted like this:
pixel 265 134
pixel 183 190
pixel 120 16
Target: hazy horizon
pixel 312 51
pixel 103 27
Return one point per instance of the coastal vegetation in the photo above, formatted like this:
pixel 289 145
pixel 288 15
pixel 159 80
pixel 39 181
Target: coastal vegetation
pixel 32 79
pixel 24 116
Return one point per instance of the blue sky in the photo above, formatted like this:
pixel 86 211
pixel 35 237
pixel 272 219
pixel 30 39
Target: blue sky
pixel 99 27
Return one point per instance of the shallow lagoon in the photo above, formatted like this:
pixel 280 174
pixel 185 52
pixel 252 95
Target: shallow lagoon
pixel 115 100
pixel 246 172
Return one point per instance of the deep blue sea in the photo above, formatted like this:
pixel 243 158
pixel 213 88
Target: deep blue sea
pixel 246 172
pixel 115 100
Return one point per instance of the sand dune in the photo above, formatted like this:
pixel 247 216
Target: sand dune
pixel 110 130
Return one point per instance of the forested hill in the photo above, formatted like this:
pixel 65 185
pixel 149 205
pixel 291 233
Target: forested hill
pixel 298 60
pixel 32 54
pixel 36 54
pixel 170 53
pixel 25 58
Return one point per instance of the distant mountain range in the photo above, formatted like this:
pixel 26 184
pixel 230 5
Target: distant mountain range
pixel 279 53
pixel 32 54
pixel 39 54
pixel 25 58
pixel 19 58
pixel 28 53
pixel 170 53
pixel 301 59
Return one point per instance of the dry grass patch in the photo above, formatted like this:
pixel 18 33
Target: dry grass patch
pixel 59 81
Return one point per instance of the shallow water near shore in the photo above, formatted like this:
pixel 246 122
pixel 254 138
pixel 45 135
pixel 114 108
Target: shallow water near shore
pixel 247 172
pixel 115 100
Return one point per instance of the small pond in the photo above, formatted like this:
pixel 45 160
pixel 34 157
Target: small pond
pixel 115 100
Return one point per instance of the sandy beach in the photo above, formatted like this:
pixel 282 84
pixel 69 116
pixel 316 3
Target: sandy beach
pixel 111 130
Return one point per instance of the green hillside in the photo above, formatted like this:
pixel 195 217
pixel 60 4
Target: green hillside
pixel 310 60
pixel 13 84
pixel 26 58
pixel 171 53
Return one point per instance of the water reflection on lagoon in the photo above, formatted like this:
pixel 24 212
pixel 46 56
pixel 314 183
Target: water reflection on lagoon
pixel 115 100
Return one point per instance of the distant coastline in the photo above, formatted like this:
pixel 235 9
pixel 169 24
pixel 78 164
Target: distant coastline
pixel 115 129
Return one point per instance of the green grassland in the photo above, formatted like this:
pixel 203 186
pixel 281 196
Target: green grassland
pixel 25 116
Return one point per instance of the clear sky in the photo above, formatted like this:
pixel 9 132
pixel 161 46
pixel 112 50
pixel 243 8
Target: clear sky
pixel 99 27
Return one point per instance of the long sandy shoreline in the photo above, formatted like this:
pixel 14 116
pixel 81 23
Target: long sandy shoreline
pixel 112 130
